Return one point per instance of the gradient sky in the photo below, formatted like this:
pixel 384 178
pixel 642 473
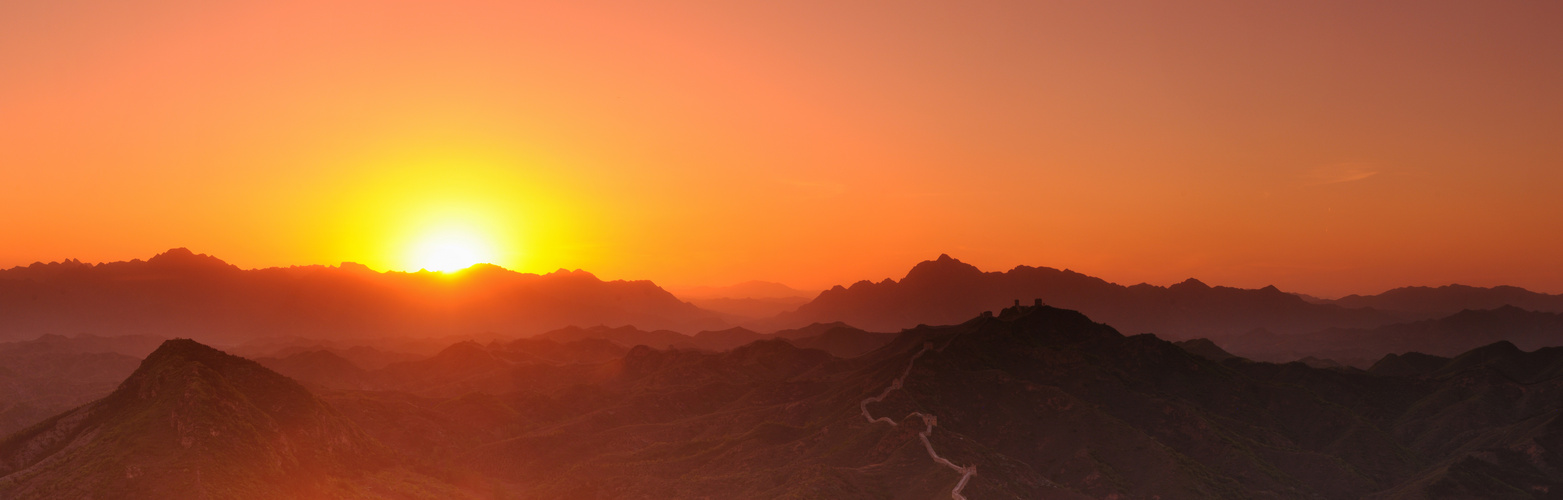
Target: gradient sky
pixel 1324 147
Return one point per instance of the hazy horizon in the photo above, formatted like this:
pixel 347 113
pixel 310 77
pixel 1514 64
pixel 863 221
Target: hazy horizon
pixel 1327 148
pixel 676 289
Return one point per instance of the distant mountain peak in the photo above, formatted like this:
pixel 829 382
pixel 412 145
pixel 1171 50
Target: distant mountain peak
pixel 183 259
pixel 752 289
pixel 468 350
pixel 205 424
pixel 483 268
pixel 355 267
pixel 1499 348
pixel 943 268
pixel 179 352
pixel 1190 284
pixel 182 349
pixel 566 273
pixel 737 330
pixel 176 252
pixel 182 293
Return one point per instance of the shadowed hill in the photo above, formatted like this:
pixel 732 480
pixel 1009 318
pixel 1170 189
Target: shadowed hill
pixel 838 339
pixel 723 340
pixel 745 290
pixel 193 422
pixel 946 290
pixel 1044 403
pixel 1450 299
pixel 1204 348
pixel 1447 336
pixel 184 294
pixel 42 377
pixel 627 336
pixel 323 368
pixel 1034 402
pixel 747 300
pixel 502 367
pixel 750 309
pixel 843 341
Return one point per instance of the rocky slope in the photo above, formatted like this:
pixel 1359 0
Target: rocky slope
pixel 193 422
pixel 1034 402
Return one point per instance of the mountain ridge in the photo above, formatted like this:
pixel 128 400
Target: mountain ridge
pixel 945 290
pixel 193 422
pixel 181 293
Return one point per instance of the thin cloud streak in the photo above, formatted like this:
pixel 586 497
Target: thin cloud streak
pixel 1339 173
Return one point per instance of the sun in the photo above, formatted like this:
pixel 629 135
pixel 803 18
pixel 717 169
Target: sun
pixel 450 251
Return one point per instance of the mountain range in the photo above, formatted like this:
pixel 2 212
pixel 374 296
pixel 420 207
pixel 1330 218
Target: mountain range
pixel 946 290
pixel 180 293
pixel 1032 402
pixel 1450 299
pixel 1446 336
pixel 193 422
pixel 748 300
pixel 469 366
pixel 50 374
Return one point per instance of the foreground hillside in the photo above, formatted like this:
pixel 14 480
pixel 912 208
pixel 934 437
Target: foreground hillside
pixel 193 422
pixel 1038 402
pixel 1032 403
pixel 42 377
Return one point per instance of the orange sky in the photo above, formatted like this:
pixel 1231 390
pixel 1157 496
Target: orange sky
pixel 1324 147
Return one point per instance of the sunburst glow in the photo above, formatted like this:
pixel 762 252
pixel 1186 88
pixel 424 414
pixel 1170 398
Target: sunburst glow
pixel 452 250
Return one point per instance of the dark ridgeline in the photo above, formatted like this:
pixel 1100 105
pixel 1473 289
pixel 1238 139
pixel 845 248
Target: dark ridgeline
pixel 472 367
pixel 946 290
pixel 747 300
pixel 1450 299
pixel 193 422
pixel 1265 324
pixel 1446 336
pixel 42 377
pixel 179 293
pixel 839 339
pixel 1043 402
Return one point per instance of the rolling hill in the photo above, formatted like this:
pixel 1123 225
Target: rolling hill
pixel 193 422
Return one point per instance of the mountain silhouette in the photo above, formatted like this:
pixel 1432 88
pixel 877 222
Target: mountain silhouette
pixel 1204 348
pixel 749 309
pixel 748 300
pixel 1446 300
pixel 627 336
pixel 753 289
pixel 1040 403
pixel 180 293
pixel 1447 336
pixel 193 422
pixel 946 290
pixel 42 377
pixel 1033 402
pixel 321 368
pixel 842 340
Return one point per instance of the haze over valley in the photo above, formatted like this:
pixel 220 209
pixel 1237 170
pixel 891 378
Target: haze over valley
pixel 361 394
